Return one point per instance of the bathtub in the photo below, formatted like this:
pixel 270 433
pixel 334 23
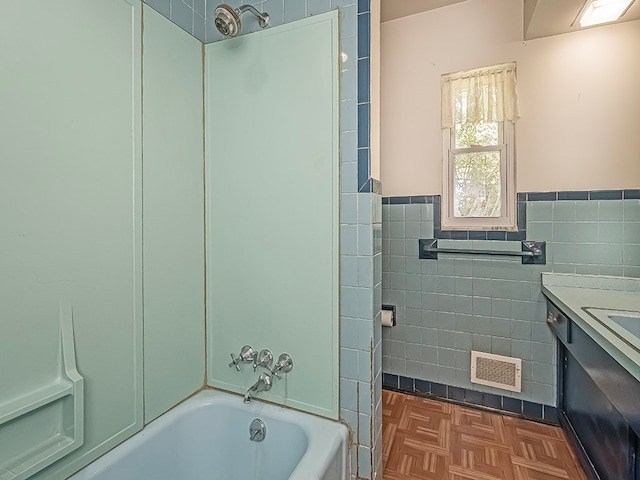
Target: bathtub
pixel 207 438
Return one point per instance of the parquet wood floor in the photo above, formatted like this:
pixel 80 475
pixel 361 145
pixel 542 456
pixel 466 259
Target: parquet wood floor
pixel 425 439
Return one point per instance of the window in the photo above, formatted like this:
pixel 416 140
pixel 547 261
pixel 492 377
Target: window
pixel 479 109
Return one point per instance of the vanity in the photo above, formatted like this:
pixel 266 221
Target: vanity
pixel 597 323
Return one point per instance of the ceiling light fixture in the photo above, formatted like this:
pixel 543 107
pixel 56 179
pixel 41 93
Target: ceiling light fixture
pixel 603 11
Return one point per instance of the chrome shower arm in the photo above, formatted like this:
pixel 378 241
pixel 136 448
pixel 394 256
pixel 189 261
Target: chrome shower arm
pixel 263 18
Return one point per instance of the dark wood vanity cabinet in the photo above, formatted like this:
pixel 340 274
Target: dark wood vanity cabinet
pixel 599 403
pixel 601 429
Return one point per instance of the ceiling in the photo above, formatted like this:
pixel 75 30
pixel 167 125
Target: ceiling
pixel 392 9
pixel 541 18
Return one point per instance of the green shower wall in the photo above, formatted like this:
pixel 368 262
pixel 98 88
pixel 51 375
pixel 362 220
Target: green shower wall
pixel 173 160
pixel 78 176
pixel 102 126
pixel 272 216
pixel 71 221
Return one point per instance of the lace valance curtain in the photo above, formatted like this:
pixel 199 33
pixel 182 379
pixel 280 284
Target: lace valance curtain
pixel 480 96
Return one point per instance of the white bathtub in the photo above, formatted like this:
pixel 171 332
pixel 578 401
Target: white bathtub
pixel 207 438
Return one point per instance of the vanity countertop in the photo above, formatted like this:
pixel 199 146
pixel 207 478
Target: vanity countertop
pixel 573 293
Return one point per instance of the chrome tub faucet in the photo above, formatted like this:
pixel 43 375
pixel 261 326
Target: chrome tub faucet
pixel 262 385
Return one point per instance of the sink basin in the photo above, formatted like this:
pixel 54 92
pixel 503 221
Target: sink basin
pixel 628 322
pixel 624 323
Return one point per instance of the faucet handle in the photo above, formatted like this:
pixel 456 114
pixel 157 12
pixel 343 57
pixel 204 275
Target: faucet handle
pixel 263 359
pixel 247 354
pixel 284 365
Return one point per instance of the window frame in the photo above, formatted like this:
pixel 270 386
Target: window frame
pixel 506 147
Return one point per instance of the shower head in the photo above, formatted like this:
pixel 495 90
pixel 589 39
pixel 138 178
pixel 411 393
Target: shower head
pixel 227 19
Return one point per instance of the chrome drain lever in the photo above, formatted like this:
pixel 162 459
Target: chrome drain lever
pixel 257 430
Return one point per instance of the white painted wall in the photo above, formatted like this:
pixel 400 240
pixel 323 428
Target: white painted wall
pixel 579 100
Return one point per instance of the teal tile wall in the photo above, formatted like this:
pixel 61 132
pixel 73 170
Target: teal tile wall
pixel 448 307
pixel 196 16
pixel 360 336
pixel 187 14
pixel 280 12
pixel 595 237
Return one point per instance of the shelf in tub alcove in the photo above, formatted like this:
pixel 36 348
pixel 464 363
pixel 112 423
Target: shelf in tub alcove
pixel 34 400
pixel 60 402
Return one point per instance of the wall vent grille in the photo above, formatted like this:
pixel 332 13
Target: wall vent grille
pixel 496 371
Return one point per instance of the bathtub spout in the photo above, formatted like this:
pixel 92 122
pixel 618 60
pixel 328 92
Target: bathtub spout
pixel 262 385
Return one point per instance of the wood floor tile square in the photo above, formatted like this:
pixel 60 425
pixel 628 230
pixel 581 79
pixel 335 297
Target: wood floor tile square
pixel 425 439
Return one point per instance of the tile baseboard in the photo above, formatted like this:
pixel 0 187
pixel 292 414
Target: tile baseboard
pixel 463 396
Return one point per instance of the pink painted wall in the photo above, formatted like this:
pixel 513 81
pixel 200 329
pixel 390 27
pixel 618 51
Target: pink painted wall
pixel 579 97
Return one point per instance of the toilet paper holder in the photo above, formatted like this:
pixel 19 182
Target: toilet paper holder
pixel 392 309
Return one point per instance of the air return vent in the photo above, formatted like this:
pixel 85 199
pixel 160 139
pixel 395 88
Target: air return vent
pixel 496 371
